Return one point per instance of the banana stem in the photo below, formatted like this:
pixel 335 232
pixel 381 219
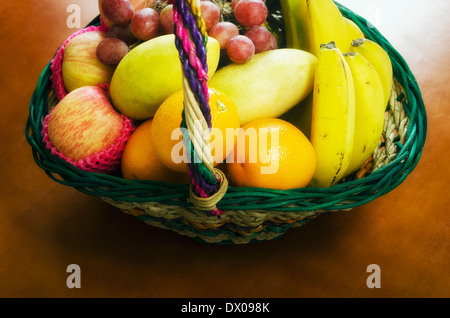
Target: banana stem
pixel 331 45
pixel 357 42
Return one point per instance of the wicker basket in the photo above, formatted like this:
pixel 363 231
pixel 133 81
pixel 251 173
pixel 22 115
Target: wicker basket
pixel 251 214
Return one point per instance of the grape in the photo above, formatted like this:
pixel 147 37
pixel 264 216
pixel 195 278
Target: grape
pixel 110 51
pixel 121 32
pixel 118 11
pixel 240 49
pixel 273 43
pixel 250 12
pixel 261 38
pixel 210 14
pixel 233 3
pixel 166 19
pixel 223 32
pixel 145 24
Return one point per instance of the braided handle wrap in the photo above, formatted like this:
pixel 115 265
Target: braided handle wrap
pixel 208 184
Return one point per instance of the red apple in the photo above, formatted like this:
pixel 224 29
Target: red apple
pixel 80 66
pixel 84 123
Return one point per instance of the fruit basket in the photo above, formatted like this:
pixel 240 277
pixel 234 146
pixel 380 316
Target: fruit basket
pixel 248 214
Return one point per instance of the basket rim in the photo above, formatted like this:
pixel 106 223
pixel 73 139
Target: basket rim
pixel 341 196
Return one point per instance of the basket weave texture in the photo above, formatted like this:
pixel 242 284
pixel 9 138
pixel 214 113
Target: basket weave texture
pixel 250 214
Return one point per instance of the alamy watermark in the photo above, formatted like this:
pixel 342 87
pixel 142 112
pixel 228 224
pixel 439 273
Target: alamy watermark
pixel 374 279
pixel 74 19
pixel 74 279
pixel 248 145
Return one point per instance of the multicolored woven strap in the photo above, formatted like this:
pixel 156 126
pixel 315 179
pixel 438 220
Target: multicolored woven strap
pixel 208 185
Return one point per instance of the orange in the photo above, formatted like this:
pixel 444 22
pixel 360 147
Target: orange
pixel 167 134
pixel 140 162
pixel 271 153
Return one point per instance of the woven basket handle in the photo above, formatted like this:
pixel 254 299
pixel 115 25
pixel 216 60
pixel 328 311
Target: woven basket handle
pixel 208 184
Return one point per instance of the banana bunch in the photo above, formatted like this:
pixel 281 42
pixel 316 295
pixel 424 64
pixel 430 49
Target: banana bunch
pixel 333 116
pixel 352 86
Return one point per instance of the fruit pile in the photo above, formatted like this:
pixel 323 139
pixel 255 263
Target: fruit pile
pixel 302 108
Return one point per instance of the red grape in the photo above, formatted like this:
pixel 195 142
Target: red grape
pixel 240 49
pixel 233 3
pixel 118 11
pixel 250 12
pixel 210 14
pixel 166 19
pixel 260 36
pixel 145 24
pixel 121 32
pixel 273 43
pixel 110 51
pixel 223 32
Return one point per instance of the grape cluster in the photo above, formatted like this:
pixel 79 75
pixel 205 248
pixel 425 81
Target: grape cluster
pixel 239 38
pixel 245 34
pixel 127 28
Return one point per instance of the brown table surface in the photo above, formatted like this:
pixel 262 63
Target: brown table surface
pixel 45 226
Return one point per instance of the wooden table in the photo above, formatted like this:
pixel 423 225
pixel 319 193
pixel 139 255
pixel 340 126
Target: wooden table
pixel 45 227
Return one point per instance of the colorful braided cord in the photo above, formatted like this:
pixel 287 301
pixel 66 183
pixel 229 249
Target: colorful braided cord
pixel 190 40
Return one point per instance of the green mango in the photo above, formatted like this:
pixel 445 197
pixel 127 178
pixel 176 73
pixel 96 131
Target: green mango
pixel 268 85
pixel 150 73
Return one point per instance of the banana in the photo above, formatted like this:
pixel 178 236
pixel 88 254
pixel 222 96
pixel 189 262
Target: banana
pixel 354 32
pixel 326 24
pixel 380 60
pixel 333 116
pixel 310 23
pixel 369 109
pixel 296 24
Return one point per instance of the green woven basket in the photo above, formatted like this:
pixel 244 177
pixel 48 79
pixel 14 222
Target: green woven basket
pixel 251 214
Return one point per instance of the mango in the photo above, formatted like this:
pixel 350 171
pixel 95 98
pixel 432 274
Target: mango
pixel 150 73
pixel 269 85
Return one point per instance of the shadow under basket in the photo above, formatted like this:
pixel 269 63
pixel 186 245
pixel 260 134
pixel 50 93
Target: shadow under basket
pixel 252 214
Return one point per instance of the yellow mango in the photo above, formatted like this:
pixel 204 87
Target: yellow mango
pixel 269 85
